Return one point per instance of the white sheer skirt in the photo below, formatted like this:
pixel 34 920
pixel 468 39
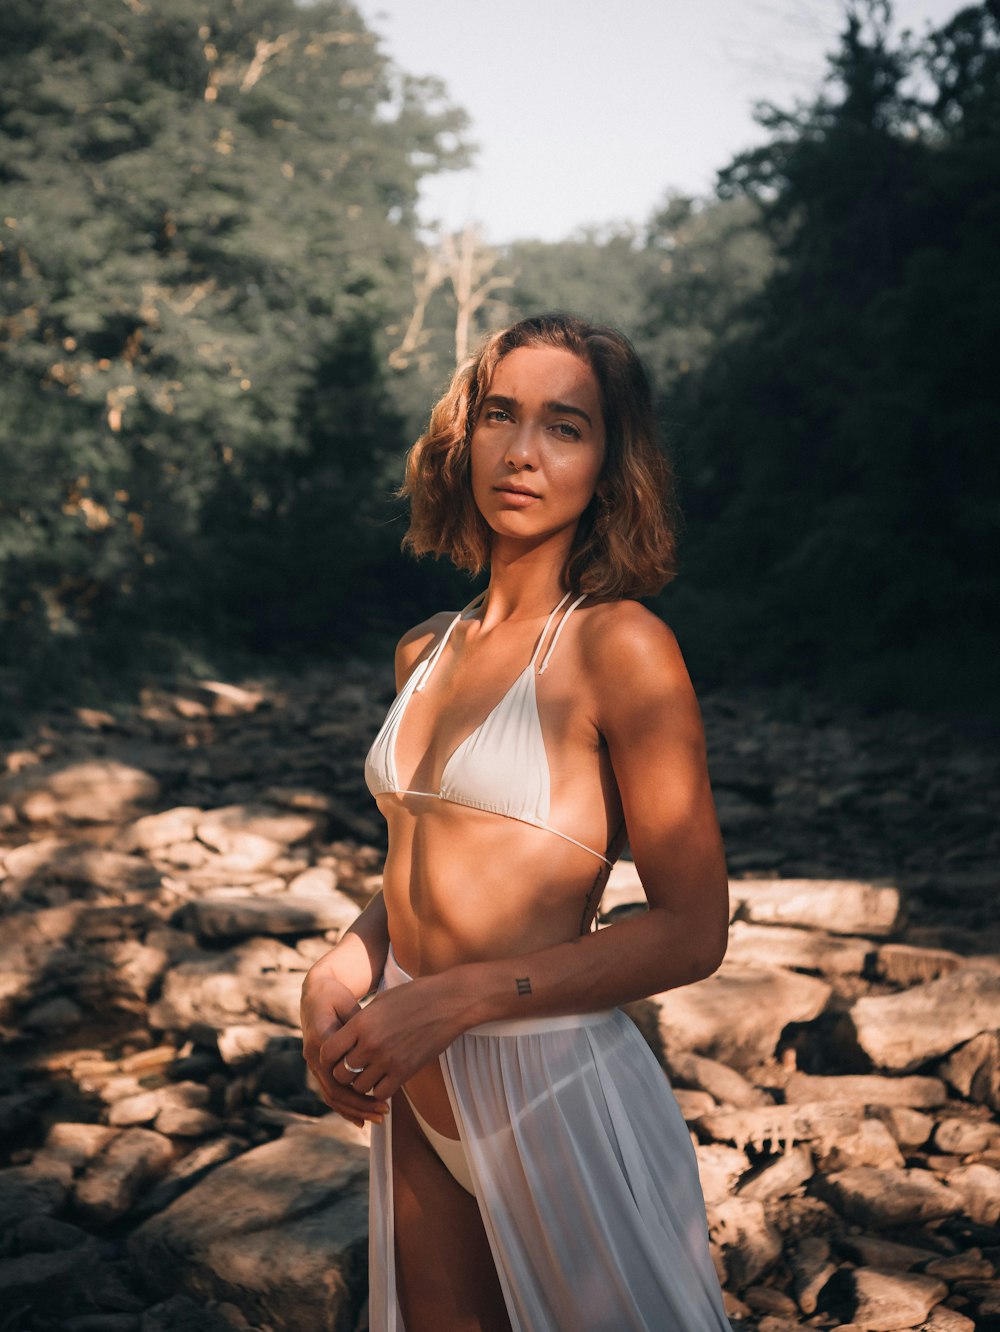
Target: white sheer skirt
pixel 585 1176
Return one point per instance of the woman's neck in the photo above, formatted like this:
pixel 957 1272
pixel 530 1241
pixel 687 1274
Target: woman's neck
pixel 524 584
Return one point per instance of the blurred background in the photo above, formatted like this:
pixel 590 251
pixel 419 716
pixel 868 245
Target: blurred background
pixel 243 242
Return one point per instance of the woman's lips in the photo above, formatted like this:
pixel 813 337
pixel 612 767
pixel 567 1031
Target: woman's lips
pixel 518 498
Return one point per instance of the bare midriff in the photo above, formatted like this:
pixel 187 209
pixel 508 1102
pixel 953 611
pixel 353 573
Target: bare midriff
pixel 467 885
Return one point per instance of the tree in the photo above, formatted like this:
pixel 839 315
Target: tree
pixel 196 194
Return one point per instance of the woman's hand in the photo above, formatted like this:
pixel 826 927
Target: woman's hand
pixel 394 1036
pixel 327 1004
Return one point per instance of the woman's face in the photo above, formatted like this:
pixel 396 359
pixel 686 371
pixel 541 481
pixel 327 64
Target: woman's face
pixel 538 443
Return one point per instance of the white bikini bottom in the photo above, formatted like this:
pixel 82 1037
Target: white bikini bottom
pixel 449 1150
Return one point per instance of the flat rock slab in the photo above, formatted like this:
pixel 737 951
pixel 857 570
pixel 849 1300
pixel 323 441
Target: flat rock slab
pixel 749 1242
pixel 902 1031
pixel 258 978
pixel 94 791
pixel 882 1199
pixel 779 1177
pixel 887 1301
pixel 781 1125
pixel 720 1081
pixel 281 1232
pixel 738 1013
pixel 841 906
pixel 794 946
pixel 285 913
pixel 867 1089
pixel 908 964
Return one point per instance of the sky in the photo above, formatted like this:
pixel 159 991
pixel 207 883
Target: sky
pixel 587 112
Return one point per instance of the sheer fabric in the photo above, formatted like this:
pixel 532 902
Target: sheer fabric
pixel 585 1175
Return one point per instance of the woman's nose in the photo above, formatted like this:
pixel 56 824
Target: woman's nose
pixel 521 452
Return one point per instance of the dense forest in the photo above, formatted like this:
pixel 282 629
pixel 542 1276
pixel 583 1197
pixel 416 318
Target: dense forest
pixel 221 325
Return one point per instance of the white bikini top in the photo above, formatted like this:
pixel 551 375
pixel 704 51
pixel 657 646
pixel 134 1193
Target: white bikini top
pixel 502 766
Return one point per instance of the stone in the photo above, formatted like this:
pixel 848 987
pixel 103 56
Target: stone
pixel 114 1180
pixel 720 1081
pixel 153 832
pixel 872 1145
pixel 49 1284
pixel 289 913
pixel 866 1089
pixel 31 1190
pixel 908 964
pixel 20 1108
pixel 750 1244
pixel 943 1319
pixel 964 1137
pixel 957 1266
pixel 317 881
pixel 979 1187
pixel 281 1232
pixel 738 1013
pixel 72 1145
pixel 186 1121
pixel 800 949
pixel 260 977
pixel 693 1104
pixel 974 1069
pixel 876 1251
pixel 719 1168
pixel 96 790
pixel 885 1198
pixel 910 1128
pixel 240 1043
pixel 885 1300
pixel 44 1234
pixel 780 1125
pixel 186 1171
pixel 55 1015
pixel 780 1176
pixel 841 906
pixel 811 1269
pixel 221 828
pixel 766 1299
pixel 902 1031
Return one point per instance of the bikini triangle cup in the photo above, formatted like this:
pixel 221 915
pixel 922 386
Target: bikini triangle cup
pixel 502 766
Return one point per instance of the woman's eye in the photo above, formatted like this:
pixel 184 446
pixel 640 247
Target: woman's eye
pixel 567 431
pixel 496 414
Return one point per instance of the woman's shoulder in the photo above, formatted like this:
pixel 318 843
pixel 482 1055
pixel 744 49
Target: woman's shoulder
pixel 415 642
pixel 622 639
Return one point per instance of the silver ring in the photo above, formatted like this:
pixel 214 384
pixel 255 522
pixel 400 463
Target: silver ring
pixel 351 1069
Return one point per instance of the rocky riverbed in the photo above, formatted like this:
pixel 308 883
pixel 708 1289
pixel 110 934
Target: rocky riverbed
pixel 169 870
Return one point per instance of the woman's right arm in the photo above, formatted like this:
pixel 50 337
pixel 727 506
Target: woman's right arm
pixel 330 994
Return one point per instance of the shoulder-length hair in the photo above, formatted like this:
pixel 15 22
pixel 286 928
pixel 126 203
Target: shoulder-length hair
pixel 626 541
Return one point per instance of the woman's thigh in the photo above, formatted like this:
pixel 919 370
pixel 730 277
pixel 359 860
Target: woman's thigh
pixel 445 1274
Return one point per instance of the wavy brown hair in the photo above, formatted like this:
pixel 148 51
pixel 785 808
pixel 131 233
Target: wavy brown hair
pixel 626 541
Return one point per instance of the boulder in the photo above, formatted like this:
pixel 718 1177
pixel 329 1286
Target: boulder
pixel 798 948
pixel 739 1012
pixel 98 790
pixel 866 1089
pixel 154 831
pixel 886 1198
pixel 258 978
pixel 965 1137
pixel 781 1125
pixel 749 1242
pixel 780 1176
pixel 221 828
pixel 841 906
pixel 719 1168
pixel 908 964
pixel 979 1187
pixel 903 1031
pixel 281 1232
pixel 720 1081
pixel 974 1069
pixel 884 1300
pixel 287 913
pixel 872 1145
pixel 113 1181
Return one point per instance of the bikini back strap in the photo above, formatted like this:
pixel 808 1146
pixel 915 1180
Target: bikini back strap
pixel 432 660
pixel 559 628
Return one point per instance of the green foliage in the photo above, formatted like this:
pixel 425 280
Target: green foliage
pixel 840 473
pixel 197 198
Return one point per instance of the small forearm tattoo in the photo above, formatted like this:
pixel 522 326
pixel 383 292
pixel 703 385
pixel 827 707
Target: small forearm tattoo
pixel 523 985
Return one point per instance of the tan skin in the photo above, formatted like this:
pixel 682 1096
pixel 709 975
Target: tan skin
pixel 474 901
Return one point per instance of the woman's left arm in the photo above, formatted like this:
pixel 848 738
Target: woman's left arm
pixel 647 712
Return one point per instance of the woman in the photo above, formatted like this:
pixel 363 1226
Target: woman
pixel 536 1173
